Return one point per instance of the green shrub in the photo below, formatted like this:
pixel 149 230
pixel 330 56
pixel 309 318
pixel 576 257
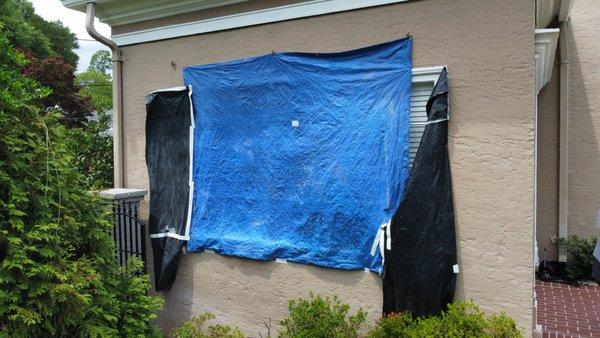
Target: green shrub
pixel 462 319
pixel 93 152
pixel 579 256
pixel 392 325
pixel 321 317
pixel 194 328
pixel 135 309
pixel 58 272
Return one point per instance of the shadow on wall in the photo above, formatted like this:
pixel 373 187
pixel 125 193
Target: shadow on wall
pixel 584 126
pixel 547 165
pixel 250 293
pixel 178 304
pixel 176 309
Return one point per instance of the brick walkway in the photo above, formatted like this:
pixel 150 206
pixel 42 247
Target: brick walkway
pixel 568 311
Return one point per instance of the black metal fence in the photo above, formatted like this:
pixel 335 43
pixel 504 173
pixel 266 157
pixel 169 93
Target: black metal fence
pixel 129 232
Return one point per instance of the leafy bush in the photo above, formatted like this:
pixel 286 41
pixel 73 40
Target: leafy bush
pixel 321 317
pixel 93 153
pixel 579 256
pixel 194 328
pixel 91 143
pixel 135 310
pixel 462 319
pixel 58 272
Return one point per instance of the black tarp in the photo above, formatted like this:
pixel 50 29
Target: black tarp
pixel 169 124
pixel 419 269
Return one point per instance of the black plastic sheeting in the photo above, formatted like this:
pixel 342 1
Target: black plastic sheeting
pixel 419 269
pixel 596 270
pixel 168 159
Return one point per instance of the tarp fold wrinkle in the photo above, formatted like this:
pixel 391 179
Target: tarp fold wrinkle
pixel 168 119
pixel 419 274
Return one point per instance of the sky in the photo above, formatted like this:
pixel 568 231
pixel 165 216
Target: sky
pixel 52 10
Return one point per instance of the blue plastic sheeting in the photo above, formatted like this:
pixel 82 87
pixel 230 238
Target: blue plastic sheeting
pixel 300 156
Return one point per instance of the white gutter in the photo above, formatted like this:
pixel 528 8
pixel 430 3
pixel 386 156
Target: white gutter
pixel 563 167
pixel 117 62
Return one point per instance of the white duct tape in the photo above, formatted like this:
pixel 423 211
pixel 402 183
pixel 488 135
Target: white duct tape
pixel 170 234
pixel 379 240
pixel 436 121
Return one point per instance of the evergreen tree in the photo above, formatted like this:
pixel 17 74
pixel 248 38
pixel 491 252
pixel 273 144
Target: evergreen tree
pixel 53 72
pixel 58 273
pixel 22 33
pixel 101 62
pixel 62 41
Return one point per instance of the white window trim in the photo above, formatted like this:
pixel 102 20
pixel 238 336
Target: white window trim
pixel 421 75
pixel 427 74
pixel 424 75
pixel 274 14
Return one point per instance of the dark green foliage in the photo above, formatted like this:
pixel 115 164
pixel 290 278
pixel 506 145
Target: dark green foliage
pixel 580 257
pixel 97 86
pixel 62 41
pixel 93 145
pixel 16 15
pixel 49 46
pixel 321 317
pixel 58 274
pixel 94 154
pixel 101 62
pixel 32 33
pixel 54 73
pixel 93 150
pixel 194 328
pixel 462 319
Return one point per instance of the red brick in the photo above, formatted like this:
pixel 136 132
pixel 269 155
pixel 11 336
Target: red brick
pixel 568 311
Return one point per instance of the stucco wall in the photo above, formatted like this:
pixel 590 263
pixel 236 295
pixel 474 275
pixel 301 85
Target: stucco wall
pixel 584 118
pixel 488 48
pixel 584 134
pixel 547 165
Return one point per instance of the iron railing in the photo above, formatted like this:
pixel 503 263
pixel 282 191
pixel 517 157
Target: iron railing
pixel 128 232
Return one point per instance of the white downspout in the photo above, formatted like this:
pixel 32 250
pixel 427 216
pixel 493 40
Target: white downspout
pixel 117 93
pixel 563 168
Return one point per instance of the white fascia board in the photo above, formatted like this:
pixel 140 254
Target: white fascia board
pixel 122 12
pixel 274 14
pixel 545 49
pixel 161 10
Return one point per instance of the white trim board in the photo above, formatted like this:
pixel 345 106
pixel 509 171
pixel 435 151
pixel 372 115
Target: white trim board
pixel 274 14
pixel 545 48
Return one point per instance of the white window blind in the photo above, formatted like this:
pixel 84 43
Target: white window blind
pixel 422 85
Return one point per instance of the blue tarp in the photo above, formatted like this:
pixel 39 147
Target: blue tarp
pixel 300 156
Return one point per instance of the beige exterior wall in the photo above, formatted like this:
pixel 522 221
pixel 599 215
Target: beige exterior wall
pixel 584 118
pixel 584 134
pixel 488 48
pixel 547 165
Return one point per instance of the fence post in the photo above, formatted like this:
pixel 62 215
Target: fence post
pixel 128 230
